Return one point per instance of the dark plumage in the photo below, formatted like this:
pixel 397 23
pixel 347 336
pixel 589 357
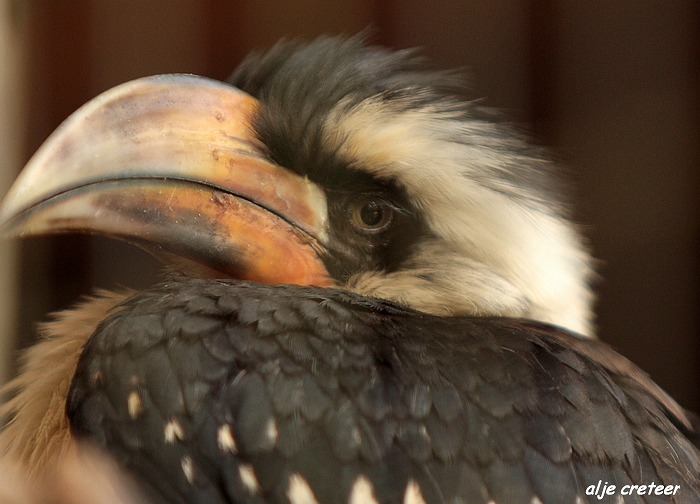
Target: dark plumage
pixel 418 363
pixel 333 386
pixel 300 84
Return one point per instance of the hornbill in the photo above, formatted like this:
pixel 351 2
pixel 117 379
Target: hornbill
pixel 375 295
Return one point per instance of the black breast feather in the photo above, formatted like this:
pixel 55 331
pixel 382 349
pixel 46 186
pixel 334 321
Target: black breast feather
pixel 224 391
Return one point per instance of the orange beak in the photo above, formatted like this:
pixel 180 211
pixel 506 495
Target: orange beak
pixel 169 163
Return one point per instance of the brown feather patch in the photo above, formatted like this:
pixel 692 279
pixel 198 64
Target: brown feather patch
pixel 37 430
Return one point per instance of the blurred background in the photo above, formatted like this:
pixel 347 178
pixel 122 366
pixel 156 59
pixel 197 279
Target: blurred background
pixel 612 87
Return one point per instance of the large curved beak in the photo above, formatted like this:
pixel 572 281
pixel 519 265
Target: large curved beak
pixel 170 163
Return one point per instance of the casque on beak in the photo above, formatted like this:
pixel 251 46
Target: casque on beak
pixel 170 164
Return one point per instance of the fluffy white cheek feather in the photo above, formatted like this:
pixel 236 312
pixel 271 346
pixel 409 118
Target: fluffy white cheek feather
pixel 519 252
pixel 469 288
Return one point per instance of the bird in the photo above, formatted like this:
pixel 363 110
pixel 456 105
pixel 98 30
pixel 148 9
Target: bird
pixel 375 293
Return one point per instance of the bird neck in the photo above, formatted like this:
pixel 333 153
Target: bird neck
pixel 37 432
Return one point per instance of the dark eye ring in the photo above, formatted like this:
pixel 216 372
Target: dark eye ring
pixel 371 214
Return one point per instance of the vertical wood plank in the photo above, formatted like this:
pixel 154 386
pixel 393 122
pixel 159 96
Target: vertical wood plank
pixel 384 22
pixel 13 41
pixel 226 36
pixel 54 270
pixel 543 62
pixel 487 39
pixel 630 130
pixel 236 27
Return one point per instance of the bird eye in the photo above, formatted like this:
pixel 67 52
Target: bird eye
pixel 371 215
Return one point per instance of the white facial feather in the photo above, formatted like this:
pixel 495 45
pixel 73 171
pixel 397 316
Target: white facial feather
pixel 499 250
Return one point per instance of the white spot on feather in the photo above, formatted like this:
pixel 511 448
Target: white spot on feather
pixel 535 500
pixel 173 431
pixel 356 436
pixel 187 468
pixel 271 431
pixel 134 405
pixel 225 439
pixel 299 491
pixel 250 482
pixel 96 378
pixel 413 494
pixel 362 492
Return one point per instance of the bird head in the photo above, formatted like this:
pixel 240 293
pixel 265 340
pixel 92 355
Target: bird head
pixel 328 163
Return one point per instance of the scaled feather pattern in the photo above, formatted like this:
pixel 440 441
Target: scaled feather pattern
pixel 332 387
